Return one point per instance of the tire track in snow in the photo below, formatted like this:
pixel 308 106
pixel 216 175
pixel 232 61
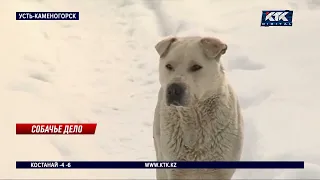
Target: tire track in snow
pixel 164 24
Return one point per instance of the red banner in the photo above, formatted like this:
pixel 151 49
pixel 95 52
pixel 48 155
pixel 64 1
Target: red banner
pixel 62 129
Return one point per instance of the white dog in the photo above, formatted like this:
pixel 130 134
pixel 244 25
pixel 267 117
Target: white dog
pixel 197 117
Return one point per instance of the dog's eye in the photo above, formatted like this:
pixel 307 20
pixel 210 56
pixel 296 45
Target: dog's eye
pixel 195 68
pixel 169 67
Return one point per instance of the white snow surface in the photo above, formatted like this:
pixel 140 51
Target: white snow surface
pixel 103 69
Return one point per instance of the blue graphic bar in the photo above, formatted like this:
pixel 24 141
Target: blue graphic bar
pixel 158 164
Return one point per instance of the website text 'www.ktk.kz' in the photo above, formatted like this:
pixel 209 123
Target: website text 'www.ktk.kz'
pixel 161 165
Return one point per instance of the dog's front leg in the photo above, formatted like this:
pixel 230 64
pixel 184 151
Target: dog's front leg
pixel 160 173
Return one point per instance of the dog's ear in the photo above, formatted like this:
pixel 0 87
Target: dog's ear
pixel 213 47
pixel 163 46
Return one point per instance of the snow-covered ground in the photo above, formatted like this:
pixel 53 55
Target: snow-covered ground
pixel 103 69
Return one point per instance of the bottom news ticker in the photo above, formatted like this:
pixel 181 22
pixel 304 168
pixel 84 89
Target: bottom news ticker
pixel 158 164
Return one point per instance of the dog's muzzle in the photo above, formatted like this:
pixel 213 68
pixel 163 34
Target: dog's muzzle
pixel 175 94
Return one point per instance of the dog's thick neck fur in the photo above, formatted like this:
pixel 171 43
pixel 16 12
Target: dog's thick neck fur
pixel 199 128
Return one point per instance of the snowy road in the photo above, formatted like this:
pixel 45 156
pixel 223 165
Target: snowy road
pixel 103 69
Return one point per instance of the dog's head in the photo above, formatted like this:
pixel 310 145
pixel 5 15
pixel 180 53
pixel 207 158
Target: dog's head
pixel 190 68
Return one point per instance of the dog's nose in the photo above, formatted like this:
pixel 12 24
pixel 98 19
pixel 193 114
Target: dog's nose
pixel 175 93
